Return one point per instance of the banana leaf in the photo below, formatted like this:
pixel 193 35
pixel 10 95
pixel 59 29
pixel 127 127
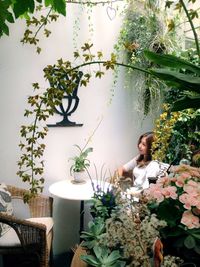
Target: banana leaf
pixel 179 80
pixel 172 62
pixel 186 102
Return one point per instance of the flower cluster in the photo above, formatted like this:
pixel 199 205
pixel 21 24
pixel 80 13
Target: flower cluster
pixel 162 132
pixel 176 200
pixel 184 188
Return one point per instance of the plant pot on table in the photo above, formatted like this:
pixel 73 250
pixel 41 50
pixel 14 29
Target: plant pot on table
pixel 79 177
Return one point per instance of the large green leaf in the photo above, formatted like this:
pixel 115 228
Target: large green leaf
pixel 186 102
pixel 168 212
pixel 59 6
pixel 113 257
pixel 48 2
pixel 171 61
pixel 23 6
pixel 90 259
pixel 180 80
pixel 5 15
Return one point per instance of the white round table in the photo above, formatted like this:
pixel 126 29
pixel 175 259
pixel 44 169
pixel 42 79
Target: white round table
pixel 67 189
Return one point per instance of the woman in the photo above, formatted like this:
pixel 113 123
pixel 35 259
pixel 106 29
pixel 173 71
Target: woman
pixel 142 166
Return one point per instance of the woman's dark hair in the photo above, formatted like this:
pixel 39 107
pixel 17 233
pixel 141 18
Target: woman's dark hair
pixel 149 141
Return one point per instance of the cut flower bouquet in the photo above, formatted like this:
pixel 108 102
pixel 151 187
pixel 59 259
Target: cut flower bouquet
pixel 176 200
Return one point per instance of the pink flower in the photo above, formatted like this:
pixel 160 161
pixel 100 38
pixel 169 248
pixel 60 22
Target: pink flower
pixel 181 179
pixel 170 192
pixel 192 188
pixel 154 192
pixel 190 220
pixel 164 181
pixel 189 201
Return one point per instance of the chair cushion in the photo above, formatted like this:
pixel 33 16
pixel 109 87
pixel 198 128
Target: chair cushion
pixel 5 206
pixel 48 221
pixel 10 238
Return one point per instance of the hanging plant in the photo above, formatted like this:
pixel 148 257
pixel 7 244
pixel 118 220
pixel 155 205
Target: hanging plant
pixel 40 21
pixel 145 28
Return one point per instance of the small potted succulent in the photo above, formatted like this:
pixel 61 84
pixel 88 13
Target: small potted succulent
pixel 80 163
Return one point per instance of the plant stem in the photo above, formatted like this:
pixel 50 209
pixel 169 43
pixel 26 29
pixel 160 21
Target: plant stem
pixel 32 145
pixel 192 26
pixel 90 180
pixel 43 23
pixel 114 63
pixel 90 137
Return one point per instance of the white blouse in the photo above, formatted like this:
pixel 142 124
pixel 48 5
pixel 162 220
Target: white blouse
pixel 141 173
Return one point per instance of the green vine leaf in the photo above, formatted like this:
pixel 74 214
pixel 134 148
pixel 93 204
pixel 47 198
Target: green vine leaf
pixel 23 6
pixel 5 15
pixel 59 6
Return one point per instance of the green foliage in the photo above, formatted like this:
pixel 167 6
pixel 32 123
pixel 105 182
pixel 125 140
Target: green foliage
pixel 30 164
pixel 177 136
pixel 189 83
pixel 35 23
pixel 59 6
pixel 185 137
pixel 143 28
pixel 25 8
pixel 102 203
pixel 81 162
pixel 95 231
pixel 103 257
pixel 182 234
pixel 5 16
pixel 20 7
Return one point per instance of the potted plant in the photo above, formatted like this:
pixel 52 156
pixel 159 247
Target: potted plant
pixel 80 163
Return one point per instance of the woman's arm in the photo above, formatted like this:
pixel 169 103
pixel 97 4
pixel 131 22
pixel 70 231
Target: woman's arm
pixel 123 173
pixel 127 169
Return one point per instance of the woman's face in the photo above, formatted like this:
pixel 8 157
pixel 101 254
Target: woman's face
pixel 143 146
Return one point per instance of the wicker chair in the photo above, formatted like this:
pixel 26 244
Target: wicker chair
pixel 33 246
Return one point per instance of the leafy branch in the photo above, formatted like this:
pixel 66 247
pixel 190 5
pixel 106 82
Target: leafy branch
pixel 11 10
pixel 190 16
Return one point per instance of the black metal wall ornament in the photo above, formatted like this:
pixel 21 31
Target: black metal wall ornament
pixel 70 101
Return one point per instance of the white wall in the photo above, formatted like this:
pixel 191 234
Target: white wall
pixel 115 140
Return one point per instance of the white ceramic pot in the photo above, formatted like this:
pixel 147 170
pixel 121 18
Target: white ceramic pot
pixel 79 177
